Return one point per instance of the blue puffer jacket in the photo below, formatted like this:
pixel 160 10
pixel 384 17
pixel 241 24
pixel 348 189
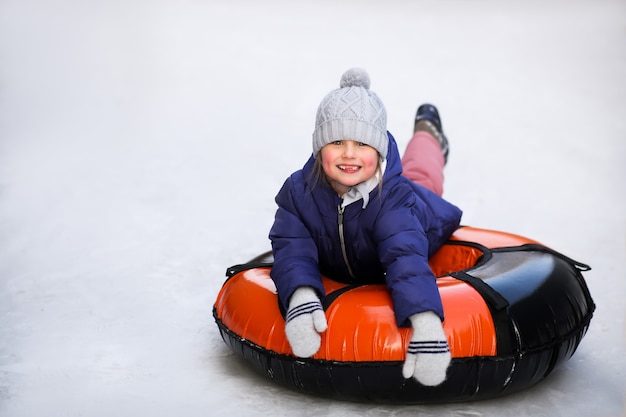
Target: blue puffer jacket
pixel 389 241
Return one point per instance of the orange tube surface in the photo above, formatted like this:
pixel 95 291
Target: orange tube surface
pixel 361 321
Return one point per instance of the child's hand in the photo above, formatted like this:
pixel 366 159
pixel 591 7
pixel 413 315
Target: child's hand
pixel 428 356
pixel 305 321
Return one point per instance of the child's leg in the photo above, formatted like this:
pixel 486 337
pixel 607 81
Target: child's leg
pixel 423 162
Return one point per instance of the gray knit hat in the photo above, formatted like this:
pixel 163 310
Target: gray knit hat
pixel 352 112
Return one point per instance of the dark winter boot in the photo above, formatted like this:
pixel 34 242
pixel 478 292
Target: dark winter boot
pixel 427 119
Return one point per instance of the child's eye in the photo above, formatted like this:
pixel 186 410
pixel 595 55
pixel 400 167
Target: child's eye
pixel 337 142
pixel 361 144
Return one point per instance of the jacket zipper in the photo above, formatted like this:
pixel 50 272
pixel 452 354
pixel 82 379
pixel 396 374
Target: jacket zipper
pixel 342 240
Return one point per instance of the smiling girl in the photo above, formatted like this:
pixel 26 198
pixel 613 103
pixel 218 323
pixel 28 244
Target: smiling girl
pixel 347 163
pixel 358 213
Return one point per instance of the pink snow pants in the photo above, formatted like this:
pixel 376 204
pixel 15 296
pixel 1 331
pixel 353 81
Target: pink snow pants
pixel 423 162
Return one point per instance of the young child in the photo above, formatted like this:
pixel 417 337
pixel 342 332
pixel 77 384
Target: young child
pixel 352 214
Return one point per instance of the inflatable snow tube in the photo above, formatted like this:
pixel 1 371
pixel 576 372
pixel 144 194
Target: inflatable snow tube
pixel 514 310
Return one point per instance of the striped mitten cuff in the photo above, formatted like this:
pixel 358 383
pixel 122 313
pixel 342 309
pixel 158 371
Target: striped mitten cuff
pixel 304 322
pixel 428 354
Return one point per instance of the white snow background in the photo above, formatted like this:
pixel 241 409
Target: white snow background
pixel 142 144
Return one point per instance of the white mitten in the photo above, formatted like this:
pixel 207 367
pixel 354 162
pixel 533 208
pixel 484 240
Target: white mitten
pixel 305 321
pixel 428 356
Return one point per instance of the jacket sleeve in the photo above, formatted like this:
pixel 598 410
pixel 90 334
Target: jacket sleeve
pixel 295 252
pixel 403 249
pixel 439 218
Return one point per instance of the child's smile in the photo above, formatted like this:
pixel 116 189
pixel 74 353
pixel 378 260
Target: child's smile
pixel 349 168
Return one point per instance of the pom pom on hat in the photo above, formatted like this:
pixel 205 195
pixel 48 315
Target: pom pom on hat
pixel 352 112
pixel 355 77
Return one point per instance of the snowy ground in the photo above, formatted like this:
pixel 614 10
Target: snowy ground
pixel 142 143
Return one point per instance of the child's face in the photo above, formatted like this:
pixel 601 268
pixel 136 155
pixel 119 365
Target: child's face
pixel 348 163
